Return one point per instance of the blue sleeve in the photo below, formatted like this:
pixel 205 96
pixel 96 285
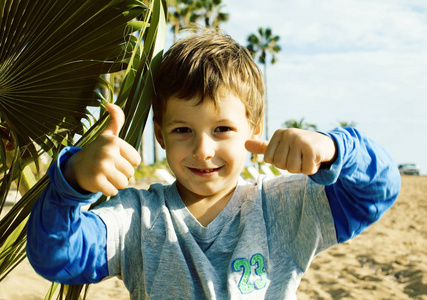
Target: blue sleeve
pixel 65 244
pixel 361 184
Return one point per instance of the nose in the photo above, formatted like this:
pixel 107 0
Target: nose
pixel 204 147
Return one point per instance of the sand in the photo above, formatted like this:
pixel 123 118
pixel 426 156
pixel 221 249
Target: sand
pixel 387 261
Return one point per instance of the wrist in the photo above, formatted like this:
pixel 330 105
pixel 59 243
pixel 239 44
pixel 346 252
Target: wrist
pixel 68 170
pixel 334 149
pixel 67 195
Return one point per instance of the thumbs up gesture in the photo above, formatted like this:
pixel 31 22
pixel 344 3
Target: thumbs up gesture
pixel 296 150
pixel 107 163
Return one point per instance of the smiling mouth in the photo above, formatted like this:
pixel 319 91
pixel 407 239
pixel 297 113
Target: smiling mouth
pixel 205 171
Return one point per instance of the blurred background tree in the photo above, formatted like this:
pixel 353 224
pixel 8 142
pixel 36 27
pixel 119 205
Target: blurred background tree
pixel 209 11
pixel 301 124
pixel 182 13
pixel 347 124
pixel 262 45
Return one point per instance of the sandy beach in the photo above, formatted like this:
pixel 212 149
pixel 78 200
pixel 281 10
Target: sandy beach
pixel 387 261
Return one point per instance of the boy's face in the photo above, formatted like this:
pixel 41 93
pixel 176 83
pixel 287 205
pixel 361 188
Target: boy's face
pixel 205 145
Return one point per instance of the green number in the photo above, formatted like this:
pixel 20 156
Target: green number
pixel 257 261
pixel 243 263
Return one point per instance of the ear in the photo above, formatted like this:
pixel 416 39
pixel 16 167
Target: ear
pixel 258 131
pixel 159 135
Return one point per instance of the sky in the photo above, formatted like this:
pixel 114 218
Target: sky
pixel 362 61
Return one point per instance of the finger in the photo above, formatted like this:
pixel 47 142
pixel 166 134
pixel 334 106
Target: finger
pixel 106 187
pixel 123 166
pixel 309 164
pixel 130 154
pixel 271 153
pixel 117 119
pixel 118 180
pixel 309 168
pixel 256 146
pixel 294 162
pixel 278 156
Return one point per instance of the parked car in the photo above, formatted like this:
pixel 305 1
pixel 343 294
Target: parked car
pixel 409 169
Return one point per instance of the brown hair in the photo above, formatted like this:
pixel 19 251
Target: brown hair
pixel 205 64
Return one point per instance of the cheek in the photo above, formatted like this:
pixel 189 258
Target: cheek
pixel 235 150
pixel 172 153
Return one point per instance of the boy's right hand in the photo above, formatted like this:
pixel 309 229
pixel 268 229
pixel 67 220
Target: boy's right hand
pixel 107 163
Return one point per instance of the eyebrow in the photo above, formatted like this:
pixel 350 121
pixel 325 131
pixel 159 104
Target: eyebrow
pixel 175 123
pixel 225 120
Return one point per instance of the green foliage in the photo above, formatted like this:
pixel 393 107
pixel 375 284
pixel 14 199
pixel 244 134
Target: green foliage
pixel 274 170
pixel 148 171
pixel 210 12
pixel 347 124
pixel 245 174
pixel 52 54
pixel 262 44
pixel 301 124
pixel 182 13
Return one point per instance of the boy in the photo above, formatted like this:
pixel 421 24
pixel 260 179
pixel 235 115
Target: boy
pixel 209 235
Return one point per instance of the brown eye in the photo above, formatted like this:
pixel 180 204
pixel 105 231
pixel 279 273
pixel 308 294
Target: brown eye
pixel 222 129
pixel 182 130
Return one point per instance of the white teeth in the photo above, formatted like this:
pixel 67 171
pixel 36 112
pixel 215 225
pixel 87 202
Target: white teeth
pixel 207 171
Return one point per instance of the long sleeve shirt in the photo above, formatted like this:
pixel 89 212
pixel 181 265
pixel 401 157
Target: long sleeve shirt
pixel 260 245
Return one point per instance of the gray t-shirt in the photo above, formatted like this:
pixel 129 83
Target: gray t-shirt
pixel 258 247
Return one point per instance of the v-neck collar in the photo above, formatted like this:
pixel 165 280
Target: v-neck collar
pixel 179 210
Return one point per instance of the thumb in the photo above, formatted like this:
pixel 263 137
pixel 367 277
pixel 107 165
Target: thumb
pixel 256 146
pixel 117 119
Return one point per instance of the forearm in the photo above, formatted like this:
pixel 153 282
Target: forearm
pixel 65 244
pixel 361 185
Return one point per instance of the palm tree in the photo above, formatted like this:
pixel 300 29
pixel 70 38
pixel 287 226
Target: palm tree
pixel 181 14
pixel 210 12
pixel 261 45
pixel 299 124
pixel 52 54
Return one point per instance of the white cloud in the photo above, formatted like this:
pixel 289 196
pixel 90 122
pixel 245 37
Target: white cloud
pixel 347 60
pixel 380 80
pixel 334 25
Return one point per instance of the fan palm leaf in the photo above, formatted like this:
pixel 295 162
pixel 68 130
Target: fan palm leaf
pixel 52 54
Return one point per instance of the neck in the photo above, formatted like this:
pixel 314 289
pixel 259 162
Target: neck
pixel 204 208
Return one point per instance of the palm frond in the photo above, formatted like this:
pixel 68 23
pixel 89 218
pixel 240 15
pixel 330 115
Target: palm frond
pixel 52 54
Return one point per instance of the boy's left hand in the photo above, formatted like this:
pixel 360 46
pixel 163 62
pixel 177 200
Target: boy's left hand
pixel 296 150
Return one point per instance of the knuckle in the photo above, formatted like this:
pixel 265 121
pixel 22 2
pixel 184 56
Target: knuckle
pixel 105 167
